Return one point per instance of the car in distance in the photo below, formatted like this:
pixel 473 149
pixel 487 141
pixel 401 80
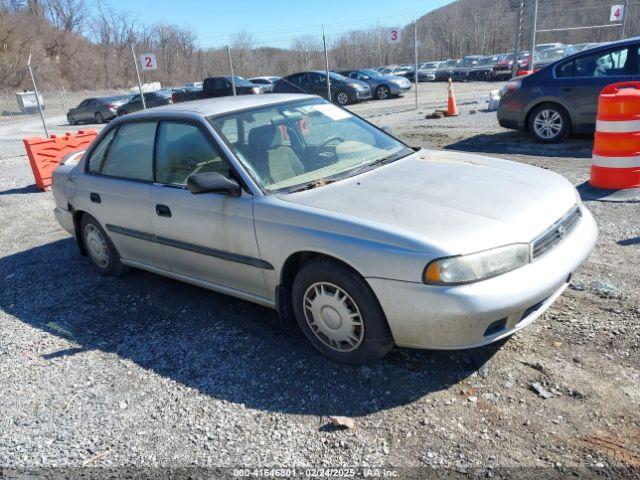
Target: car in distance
pixel 382 86
pixel 445 70
pixel 218 87
pixel 151 100
pixel 483 70
pixel 344 91
pixel 95 110
pixel 562 98
pixel 460 72
pixel 503 70
pixel 297 204
pixel 551 55
pixel 266 82
pixel 426 72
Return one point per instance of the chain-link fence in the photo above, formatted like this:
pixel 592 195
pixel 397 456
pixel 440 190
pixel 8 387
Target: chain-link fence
pixel 359 65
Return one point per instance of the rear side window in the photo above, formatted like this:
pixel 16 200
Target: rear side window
pixel 95 161
pixel 612 63
pixel 131 153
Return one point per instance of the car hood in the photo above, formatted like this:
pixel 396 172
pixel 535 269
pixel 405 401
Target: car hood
pixel 449 201
pixel 393 77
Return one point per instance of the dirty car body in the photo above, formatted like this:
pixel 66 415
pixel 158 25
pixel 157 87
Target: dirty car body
pixel 368 242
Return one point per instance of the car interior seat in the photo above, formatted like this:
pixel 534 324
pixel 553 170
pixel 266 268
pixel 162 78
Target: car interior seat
pixel 273 160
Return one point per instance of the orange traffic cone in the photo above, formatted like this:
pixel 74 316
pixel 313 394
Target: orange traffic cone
pixel 452 108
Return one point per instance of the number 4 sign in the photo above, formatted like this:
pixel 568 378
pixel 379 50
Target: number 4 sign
pixel 393 35
pixel 617 13
pixel 148 61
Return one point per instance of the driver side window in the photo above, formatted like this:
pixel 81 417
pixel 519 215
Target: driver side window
pixel 184 149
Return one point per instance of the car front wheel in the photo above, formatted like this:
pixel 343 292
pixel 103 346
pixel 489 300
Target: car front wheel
pixel 339 314
pixel 383 92
pixel 549 123
pixel 342 98
pixel 100 249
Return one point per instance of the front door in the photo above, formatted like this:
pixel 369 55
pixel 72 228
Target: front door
pixel 205 236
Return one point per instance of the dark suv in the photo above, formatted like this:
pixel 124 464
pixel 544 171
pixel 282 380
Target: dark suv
pixel 343 90
pixel 562 98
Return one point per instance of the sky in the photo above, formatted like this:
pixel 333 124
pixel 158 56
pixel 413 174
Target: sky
pixel 275 22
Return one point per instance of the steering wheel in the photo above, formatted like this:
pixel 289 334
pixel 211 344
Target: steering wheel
pixel 331 139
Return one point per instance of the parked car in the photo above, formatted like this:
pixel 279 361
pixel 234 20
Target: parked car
pixel 562 98
pixel 503 70
pixel 151 100
pixel 426 72
pixel 445 70
pixel 265 82
pixel 461 70
pixel 541 47
pixel 382 86
pixel 551 55
pixel 219 87
pixel 579 47
pixel 331 225
pixel 95 110
pixel 186 93
pixel 343 90
pixel 483 70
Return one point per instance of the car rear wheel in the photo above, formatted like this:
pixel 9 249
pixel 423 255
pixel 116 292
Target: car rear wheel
pixel 549 123
pixel 342 98
pixel 100 249
pixel 99 118
pixel 339 314
pixel 383 92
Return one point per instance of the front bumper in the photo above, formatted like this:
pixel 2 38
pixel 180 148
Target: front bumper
pixel 468 316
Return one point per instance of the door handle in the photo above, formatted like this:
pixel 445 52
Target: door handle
pixel 95 198
pixel 567 89
pixel 163 211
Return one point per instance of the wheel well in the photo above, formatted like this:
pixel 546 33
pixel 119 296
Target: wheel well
pixel 288 273
pixel 77 222
pixel 555 104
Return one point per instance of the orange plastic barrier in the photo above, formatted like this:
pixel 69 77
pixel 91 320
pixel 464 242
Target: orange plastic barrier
pixel 452 108
pixel 615 162
pixel 45 154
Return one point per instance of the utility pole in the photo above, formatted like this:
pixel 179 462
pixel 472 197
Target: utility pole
pixel 415 57
pixel 233 78
pixel 624 19
pixel 518 45
pixel 135 64
pixel 534 26
pixel 326 63
pixel 35 91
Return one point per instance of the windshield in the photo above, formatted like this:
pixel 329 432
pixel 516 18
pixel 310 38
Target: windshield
pixel 371 73
pixel 487 61
pixel 241 82
pixel 305 144
pixel 551 54
pixel 429 65
pixel 335 76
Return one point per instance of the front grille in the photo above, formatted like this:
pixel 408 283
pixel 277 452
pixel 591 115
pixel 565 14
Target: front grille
pixel 555 233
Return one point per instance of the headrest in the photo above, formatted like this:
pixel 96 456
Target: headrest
pixel 265 137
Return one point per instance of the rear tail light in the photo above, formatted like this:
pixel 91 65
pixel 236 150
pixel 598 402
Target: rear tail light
pixel 111 106
pixel 173 98
pixel 512 86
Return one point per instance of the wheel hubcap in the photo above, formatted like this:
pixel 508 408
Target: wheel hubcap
pixel 383 93
pixel 342 98
pixel 333 316
pixel 96 246
pixel 547 124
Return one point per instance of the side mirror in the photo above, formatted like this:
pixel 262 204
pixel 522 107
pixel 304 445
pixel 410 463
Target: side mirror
pixel 387 129
pixel 213 182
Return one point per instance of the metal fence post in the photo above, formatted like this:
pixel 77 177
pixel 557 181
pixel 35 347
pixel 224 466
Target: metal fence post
pixel 415 57
pixel 518 45
pixel 35 91
pixel 534 26
pixel 233 79
pixel 625 14
pixel 326 63
pixel 135 64
pixel 64 104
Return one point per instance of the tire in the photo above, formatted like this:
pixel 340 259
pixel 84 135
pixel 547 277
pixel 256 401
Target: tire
pixel 383 92
pixel 330 299
pixel 122 112
pixel 98 117
pixel 549 123
pixel 100 249
pixel 342 98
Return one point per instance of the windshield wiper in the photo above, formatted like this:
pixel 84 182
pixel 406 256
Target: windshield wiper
pixel 381 161
pixel 309 185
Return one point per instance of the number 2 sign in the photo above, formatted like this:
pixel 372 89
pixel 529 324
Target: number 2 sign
pixel 617 13
pixel 148 61
pixel 394 35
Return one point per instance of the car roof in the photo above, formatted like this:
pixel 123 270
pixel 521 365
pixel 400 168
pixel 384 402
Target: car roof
pixel 221 105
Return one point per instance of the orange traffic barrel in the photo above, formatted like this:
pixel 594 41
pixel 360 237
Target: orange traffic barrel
pixel 615 162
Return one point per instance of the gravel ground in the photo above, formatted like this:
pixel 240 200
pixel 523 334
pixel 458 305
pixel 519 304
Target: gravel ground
pixel 143 371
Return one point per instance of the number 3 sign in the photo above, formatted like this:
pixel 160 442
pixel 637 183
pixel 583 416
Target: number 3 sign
pixel 148 61
pixel 393 35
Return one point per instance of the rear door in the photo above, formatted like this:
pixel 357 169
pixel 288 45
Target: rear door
pixel 116 189
pixel 207 236
pixel 580 80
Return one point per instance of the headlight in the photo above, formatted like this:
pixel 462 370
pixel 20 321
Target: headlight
pixel 357 86
pixel 477 266
pixel 255 89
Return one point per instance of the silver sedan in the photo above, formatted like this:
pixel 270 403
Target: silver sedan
pixel 297 204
